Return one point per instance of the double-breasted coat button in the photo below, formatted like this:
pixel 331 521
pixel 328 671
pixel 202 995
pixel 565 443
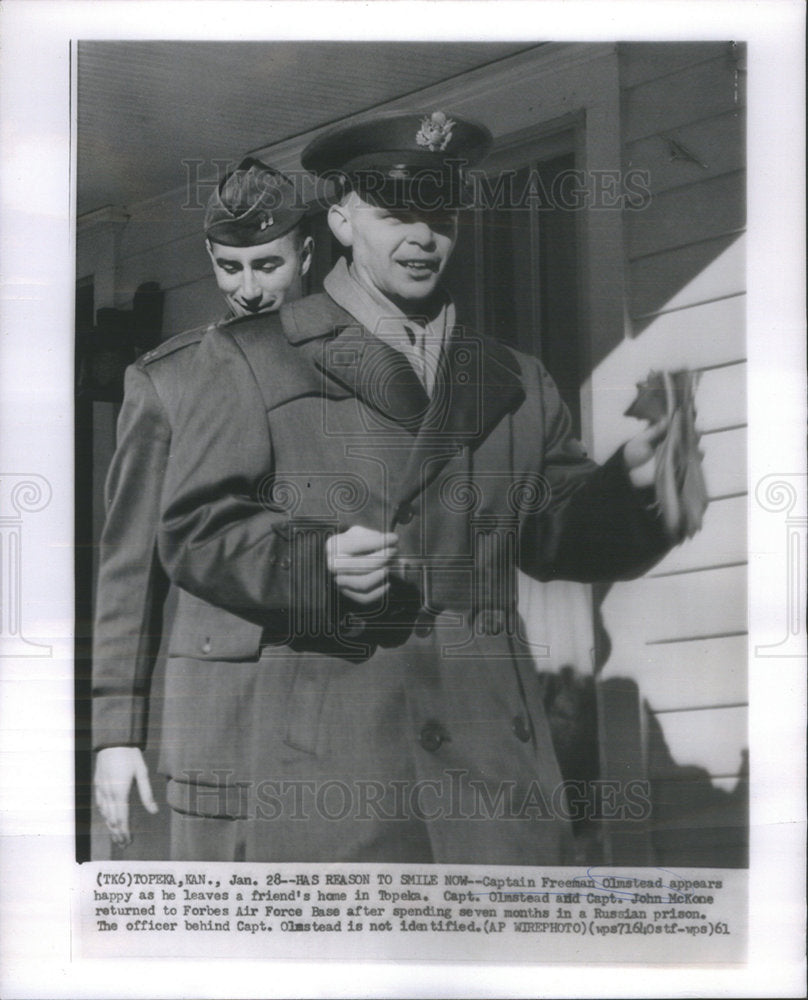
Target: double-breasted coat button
pixel 207 645
pixel 433 736
pixel 285 563
pixel 521 729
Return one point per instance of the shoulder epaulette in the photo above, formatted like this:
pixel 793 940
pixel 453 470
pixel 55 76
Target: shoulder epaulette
pixel 259 325
pixel 176 343
pixel 303 319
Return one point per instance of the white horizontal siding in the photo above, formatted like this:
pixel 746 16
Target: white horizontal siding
pixel 673 609
pixel 704 149
pixel 723 275
pixel 690 675
pixel 725 462
pixel 701 336
pixel 680 633
pixel 721 399
pixel 692 93
pixel 722 540
pixel 712 738
pixel 682 639
pixel 684 215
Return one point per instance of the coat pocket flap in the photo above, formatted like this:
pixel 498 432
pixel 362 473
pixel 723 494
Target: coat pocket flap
pixel 205 632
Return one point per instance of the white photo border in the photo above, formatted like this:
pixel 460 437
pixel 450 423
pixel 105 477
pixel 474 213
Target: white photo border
pixel 36 393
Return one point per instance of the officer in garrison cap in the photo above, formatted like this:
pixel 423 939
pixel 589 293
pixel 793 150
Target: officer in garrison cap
pixel 363 487
pixel 256 239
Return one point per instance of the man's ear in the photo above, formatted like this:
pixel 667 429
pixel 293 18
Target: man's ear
pixel 339 222
pixel 209 248
pixel 306 252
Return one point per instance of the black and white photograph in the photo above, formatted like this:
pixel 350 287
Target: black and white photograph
pixel 409 490
pixel 358 429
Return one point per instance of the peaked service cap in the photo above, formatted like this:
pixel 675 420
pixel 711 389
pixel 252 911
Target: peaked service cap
pixel 407 159
pixel 253 204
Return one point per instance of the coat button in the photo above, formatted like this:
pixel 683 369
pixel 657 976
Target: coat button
pixel 405 513
pixel 521 729
pixel 285 563
pixel 207 645
pixel 433 736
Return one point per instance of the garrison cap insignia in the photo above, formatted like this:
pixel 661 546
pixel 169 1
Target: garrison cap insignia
pixel 253 204
pixel 435 132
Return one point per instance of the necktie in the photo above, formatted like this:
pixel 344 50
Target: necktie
pixel 417 338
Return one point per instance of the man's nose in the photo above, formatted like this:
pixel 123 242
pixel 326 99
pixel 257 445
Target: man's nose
pixel 421 233
pixel 249 288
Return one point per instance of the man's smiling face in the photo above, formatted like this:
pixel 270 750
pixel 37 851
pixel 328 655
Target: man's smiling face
pixel 401 253
pixel 257 279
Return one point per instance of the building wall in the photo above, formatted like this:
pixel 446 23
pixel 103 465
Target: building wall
pixel 683 121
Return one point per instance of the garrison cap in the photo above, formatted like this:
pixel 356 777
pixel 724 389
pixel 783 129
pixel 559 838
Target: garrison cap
pixel 253 204
pixel 402 159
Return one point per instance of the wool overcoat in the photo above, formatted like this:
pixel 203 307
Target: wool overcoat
pixel 412 730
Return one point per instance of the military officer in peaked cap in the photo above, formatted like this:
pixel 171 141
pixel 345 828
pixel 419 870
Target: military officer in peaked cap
pixel 362 488
pixel 259 250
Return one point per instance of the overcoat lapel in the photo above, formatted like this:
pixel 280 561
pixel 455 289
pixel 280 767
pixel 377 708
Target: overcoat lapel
pixel 381 377
pixel 477 384
pixel 350 356
pixel 353 363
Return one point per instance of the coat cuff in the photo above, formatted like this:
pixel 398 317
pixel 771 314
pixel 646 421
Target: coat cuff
pixel 310 588
pixel 119 721
pixel 641 497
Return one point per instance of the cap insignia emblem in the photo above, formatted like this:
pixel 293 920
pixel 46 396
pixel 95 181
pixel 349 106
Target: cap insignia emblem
pixel 435 132
pixel 266 221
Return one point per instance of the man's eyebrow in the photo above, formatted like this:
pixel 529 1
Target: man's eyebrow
pixel 258 261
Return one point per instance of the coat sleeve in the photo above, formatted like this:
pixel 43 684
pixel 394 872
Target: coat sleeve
pixel 596 524
pixel 131 585
pixel 225 535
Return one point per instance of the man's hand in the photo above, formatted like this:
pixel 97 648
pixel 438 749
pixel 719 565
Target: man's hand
pixel 638 453
pixel 359 560
pixel 115 770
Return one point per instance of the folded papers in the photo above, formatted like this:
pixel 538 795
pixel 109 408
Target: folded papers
pixel 681 492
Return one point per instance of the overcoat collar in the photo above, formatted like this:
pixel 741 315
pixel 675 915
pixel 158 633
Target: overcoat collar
pixel 478 382
pixel 349 355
